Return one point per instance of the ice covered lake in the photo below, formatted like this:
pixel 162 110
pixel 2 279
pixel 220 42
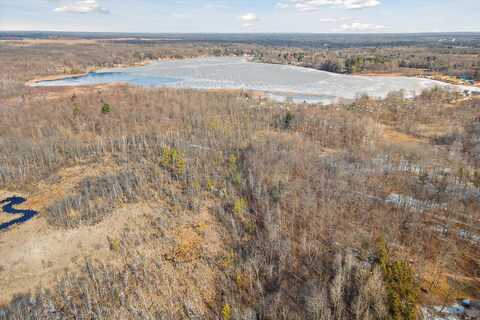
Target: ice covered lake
pixel 280 82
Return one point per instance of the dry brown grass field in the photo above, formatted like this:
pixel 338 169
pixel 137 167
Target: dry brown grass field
pixel 183 204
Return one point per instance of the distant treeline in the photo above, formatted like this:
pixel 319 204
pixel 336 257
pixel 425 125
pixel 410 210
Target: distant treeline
pixel 302 40
pixel 458 62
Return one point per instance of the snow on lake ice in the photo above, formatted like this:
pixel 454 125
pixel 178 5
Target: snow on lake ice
pixel 280 82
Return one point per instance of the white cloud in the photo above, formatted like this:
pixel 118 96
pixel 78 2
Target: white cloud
pixel 83 6
pixel 249 17
pixel 281 5
pixel 359 27
pixel 249 20
pixel 334 19
pixel 314 5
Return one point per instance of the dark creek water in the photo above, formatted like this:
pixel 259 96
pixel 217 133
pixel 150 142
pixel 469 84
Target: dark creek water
pixel 8 208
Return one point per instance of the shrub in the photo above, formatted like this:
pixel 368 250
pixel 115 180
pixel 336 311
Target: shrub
pixel 239 206
pixel 227 312
pixel 75 71
pixel 288 120
pixel 250 226
pixel 115 244
pixel 228 261
pixel 76 111
pixel 400 283
pixel 285 122
pixel 233 169
pixel 106 108
pixel 475 179
pixel 232 162
pixel 174 161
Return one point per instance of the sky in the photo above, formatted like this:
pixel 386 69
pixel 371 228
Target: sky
pixel 242 16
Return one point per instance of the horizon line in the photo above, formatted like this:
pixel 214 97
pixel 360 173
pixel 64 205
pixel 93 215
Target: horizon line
pixel 250 33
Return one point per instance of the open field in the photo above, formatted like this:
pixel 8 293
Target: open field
pixel 36 42
pixel 176 204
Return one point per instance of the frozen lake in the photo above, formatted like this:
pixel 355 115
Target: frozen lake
pixel 280 82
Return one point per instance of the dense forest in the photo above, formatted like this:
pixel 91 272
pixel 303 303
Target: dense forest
pixel 457 62
pixel 226 205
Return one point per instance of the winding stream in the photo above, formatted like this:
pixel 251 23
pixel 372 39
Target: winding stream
pixel 8 208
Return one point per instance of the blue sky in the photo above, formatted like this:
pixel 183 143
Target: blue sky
pixel 317 16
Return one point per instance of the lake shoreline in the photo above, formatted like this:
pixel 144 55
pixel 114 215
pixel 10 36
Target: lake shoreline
pixel 55 77
pixel 400 74
pixel 291 90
